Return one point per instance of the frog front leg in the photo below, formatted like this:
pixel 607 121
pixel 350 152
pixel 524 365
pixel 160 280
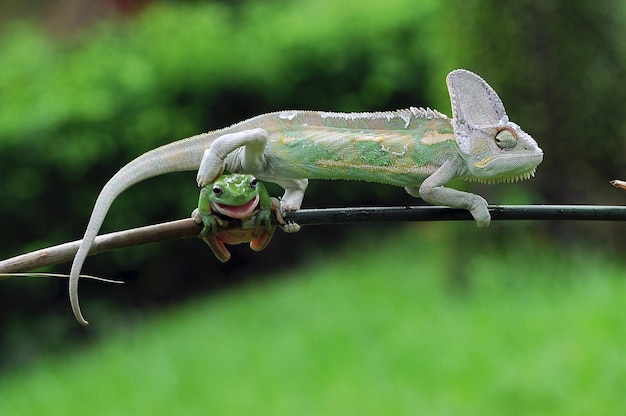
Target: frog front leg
pixel 209 233
pixel 204 215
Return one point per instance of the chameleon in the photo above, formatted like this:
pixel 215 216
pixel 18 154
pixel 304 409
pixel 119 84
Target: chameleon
pixel 238 197
pixel 419 149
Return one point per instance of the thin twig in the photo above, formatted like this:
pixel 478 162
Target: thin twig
pixel 31 275
pixel 187 228
pixel 618 184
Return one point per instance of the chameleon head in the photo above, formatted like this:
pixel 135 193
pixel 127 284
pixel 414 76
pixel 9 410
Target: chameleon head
pixel 494 148
pixel 502 153
pixel 236 195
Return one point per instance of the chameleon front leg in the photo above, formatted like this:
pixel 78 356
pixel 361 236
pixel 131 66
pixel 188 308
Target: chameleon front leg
pixel 250 145
pixel 433 192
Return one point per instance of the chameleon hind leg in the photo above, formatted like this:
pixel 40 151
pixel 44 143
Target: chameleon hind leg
pixel 250 145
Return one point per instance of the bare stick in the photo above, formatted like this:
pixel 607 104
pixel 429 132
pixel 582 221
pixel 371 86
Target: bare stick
pixel 619 184
pixel 174 230
pixel 187 228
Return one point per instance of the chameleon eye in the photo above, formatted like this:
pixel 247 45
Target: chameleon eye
pixel 505 139
pixel 217 191
pixel 253 183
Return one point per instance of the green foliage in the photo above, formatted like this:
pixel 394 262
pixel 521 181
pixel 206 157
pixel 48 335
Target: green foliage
pixel 80 108
pixel 373 329
pixel 74 110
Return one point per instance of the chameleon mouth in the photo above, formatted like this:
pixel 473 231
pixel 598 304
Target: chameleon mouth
pixel 238 211
pixel 506 179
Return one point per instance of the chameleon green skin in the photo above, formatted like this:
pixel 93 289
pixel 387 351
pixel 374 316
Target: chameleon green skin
pixel 419 149
pixel 235 197
pixel 403 150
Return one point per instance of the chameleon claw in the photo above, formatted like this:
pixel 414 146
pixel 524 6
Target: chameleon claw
pixel 291 227
pixel 286 226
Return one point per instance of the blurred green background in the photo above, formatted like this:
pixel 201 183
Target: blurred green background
pixel 86 86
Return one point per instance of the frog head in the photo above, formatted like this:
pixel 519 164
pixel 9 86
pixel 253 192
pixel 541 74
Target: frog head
pixel 235 195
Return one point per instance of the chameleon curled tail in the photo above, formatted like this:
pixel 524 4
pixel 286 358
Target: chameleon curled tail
pixel 165 159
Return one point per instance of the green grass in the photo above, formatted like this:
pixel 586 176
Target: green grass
pixel 378 329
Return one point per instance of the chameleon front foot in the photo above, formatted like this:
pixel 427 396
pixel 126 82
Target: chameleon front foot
pixel 480 212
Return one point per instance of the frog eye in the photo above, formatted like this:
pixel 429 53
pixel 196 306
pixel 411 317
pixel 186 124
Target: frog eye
pixel 505 139
pixel 217 191
pixel 253 183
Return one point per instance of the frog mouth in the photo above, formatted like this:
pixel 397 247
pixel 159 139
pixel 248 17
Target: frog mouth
pixel 238 211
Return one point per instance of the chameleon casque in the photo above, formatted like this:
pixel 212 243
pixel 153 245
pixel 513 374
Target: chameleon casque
pixel 240 198
pixel 418 149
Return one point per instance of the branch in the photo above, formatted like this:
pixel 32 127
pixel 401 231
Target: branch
pixel 187 228
pixel 173 230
